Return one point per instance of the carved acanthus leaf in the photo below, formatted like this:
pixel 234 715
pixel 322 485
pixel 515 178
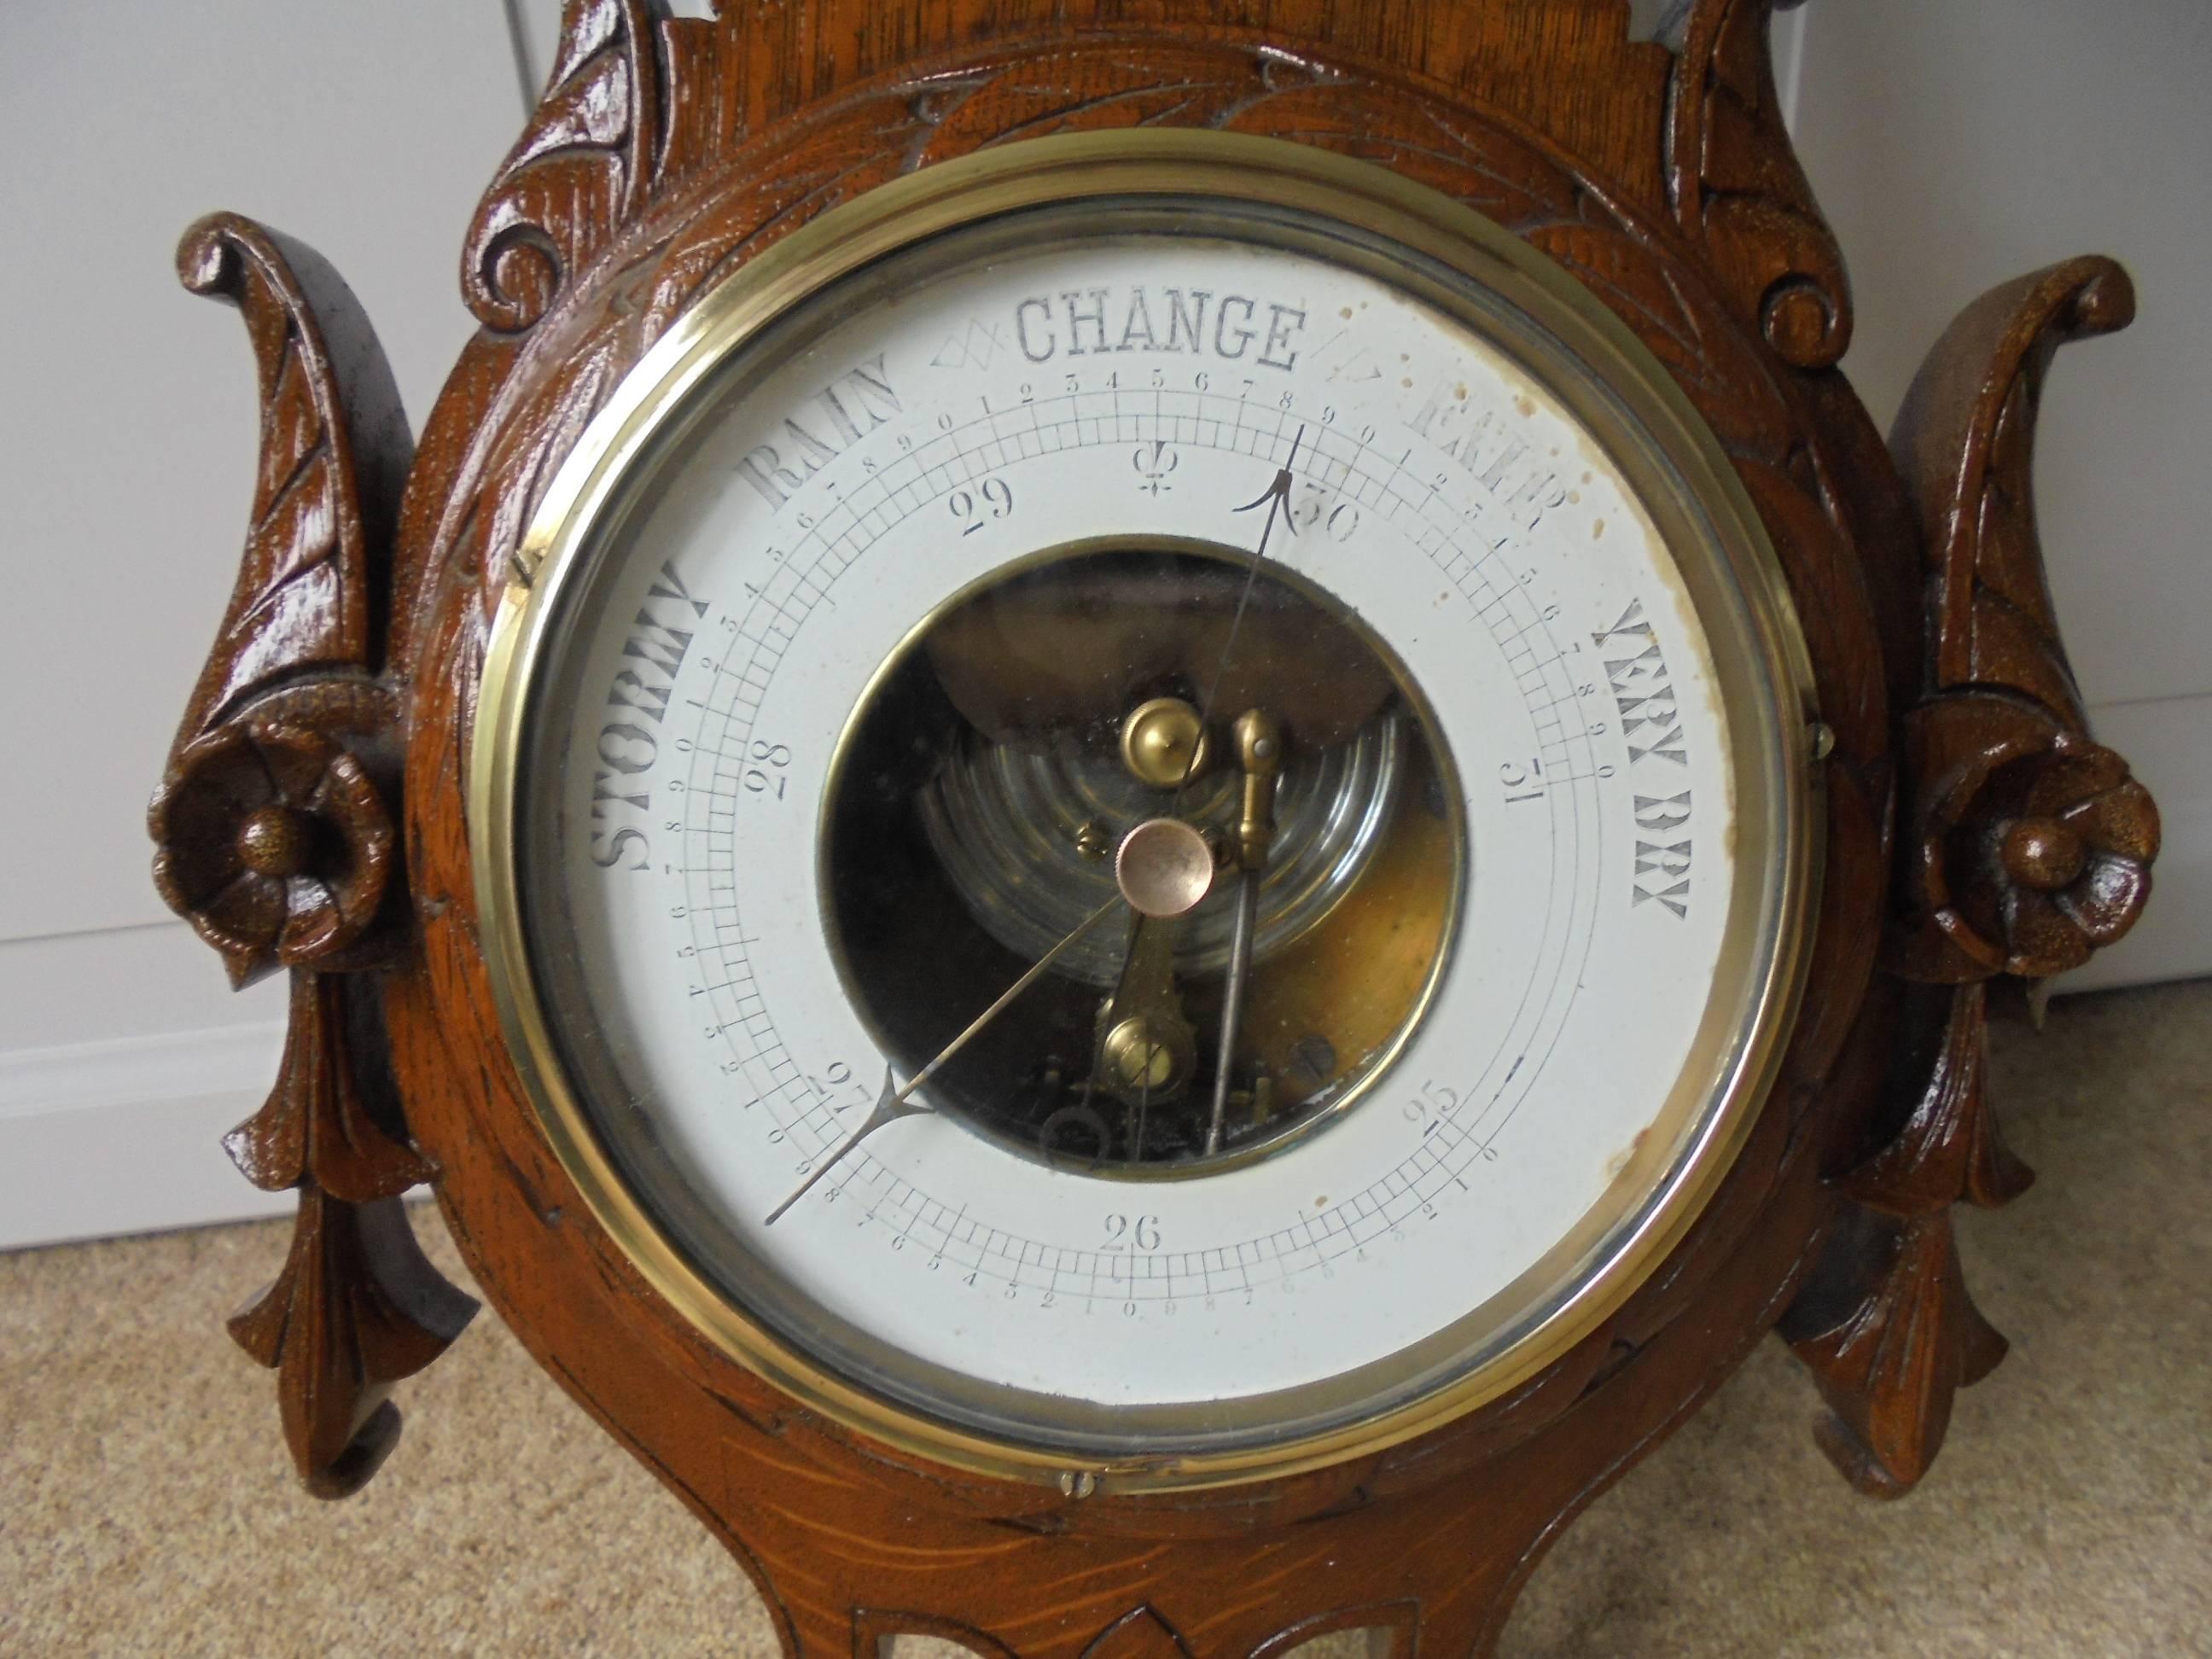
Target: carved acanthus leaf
pixel 1738 191
pixel 356 1307
pixel 1884 1321
pixel 335 451
pixel 1964 441
pixel 581 170
pixel 2032 845
pixel 331 1121
pixel 276 841
pixel 1901 1348
pixel 1949 1148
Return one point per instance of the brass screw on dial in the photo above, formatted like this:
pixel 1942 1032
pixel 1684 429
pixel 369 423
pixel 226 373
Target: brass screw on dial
pixel 1141 1055
pixel 1163 743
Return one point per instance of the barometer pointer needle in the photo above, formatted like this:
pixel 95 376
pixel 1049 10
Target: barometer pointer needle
pixel 1260 754
pixel 892 1104
pixel 1276 498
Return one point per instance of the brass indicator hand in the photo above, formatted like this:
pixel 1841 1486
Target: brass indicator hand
pixel 1148 1047
pixel 1149 1044
pixel 891 1105
pixel 1259 751
pixel 1165 868
pixel 1136 1051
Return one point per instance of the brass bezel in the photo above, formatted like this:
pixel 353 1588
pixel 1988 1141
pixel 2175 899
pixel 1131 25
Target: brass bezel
pixel 1622 395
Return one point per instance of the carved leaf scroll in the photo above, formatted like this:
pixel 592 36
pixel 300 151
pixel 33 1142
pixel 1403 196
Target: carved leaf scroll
pixel 2025 847
pixel 582 169
pixel 357 1308
pixel 1891 1365
pixel 335 451
pixel 1965 439
pixel 275 841
pixel 1738 191
pixel 1886 1324
pixel 331 1122
pixel 1949 1148
pixel 2032 846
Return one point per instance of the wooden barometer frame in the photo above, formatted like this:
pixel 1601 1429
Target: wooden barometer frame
pixel 314 815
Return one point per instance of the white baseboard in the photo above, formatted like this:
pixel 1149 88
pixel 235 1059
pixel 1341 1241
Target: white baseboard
pixel 124 1136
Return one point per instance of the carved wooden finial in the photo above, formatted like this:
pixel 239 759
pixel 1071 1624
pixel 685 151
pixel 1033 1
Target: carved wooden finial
pixel 275 840
pixel 2030 845
pixel 2025 847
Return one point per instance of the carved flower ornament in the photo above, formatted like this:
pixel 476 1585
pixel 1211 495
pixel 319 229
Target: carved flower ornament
pixel 2035 844
pixel 273 843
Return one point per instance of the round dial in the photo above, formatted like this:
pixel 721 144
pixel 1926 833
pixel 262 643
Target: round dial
pixel 1146 819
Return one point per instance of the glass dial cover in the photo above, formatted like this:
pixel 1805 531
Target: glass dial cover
pixel 1200 759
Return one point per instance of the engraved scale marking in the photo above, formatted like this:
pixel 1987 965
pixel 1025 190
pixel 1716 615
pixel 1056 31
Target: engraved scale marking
pixel 945 462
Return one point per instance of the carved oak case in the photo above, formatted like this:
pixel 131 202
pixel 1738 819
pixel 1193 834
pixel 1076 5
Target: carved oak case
pixel 312 818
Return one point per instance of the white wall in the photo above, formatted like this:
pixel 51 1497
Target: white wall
pixel 127 424
pixel 127 447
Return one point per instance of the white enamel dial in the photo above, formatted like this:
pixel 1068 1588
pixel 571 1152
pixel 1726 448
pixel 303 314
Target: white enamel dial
pixel 732 988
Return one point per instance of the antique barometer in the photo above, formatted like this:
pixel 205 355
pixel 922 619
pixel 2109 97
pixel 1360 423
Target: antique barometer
pixel 1119 762
pixel 1145 818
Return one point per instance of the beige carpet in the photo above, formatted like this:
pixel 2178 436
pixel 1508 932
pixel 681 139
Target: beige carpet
pixel 146 1506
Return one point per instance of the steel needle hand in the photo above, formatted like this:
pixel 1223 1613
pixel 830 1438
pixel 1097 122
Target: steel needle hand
pixel 893 1104
pixel 1276 498
pixel 1259 751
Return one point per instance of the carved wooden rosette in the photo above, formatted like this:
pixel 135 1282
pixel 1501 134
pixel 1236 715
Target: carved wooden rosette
pixel 275 843
pixel 663 155
pixel 2027 847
